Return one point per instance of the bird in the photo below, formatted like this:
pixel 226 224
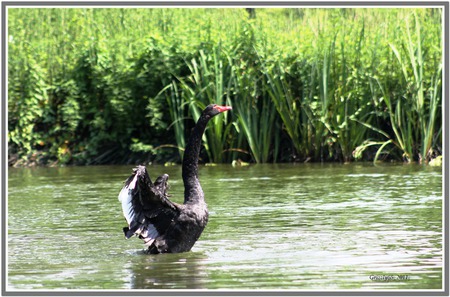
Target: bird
pixel 163 225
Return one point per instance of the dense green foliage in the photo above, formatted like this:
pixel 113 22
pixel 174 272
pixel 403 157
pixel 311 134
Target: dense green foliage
pixel 125 85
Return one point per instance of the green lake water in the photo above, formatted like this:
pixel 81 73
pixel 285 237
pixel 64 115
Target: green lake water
pixel 271 227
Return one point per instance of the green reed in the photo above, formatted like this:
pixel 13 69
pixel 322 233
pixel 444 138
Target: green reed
pixel 92 84
pixel 176 110
pixel 288 107
pixel 412 107
pixel 256 118
pixel 208 83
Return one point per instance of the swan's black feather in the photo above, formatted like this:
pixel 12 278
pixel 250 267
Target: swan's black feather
pixel 145 205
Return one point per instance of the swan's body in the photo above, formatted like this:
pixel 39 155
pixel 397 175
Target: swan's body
pixel 165 226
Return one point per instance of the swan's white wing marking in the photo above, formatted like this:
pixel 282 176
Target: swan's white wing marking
pixel 126 198
pixel 147 231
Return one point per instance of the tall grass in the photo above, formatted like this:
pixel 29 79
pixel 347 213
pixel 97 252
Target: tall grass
pixel 177 114
pixel 111 85
pixel 207 83
pixel 257 120
pixel 412 108
pixel 256 116
pixel 289 108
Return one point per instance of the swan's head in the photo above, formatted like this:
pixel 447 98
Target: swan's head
pixel 214 109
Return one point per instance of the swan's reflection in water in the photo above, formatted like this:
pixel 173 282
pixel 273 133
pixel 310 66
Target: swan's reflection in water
pixel 168 271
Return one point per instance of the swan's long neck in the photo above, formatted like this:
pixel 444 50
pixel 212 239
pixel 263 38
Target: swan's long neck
pixel 193 192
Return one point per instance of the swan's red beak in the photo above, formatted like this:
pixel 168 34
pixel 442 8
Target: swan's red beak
pixel 222 108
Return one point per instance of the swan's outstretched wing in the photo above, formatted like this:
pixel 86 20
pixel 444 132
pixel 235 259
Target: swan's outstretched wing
pixel 145 205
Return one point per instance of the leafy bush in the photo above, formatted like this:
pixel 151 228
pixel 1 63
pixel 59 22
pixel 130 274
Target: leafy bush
pixel 125 85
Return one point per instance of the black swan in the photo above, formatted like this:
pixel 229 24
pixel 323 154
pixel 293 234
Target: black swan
pixel 165 226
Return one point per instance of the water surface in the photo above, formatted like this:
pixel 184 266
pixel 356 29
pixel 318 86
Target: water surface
pixel 271 227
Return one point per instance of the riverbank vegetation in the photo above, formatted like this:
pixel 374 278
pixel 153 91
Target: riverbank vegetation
pixel 126 85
